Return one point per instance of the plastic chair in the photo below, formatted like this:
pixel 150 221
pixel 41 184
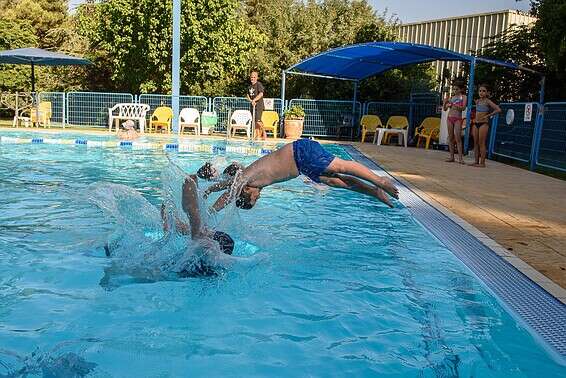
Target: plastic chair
pixel 161 117
pixel 429 129
pixel 270 121
pixel 41 115
pixel 189 118
pixel 395 122
pixel 370 124
pixel 240 120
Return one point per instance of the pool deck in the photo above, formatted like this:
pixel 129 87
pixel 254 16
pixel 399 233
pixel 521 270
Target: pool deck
pixel 524 212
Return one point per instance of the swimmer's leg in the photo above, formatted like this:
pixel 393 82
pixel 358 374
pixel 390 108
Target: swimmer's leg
pixel 191 207
pixel 352 183
pixel 352 168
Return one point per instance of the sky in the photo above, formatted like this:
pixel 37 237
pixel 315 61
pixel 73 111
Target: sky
pixel 420 10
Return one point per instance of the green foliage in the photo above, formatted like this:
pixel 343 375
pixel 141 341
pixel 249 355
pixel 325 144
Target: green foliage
pixel 15 34
pixel 294 112
pixel 296 30
pixel 129 42
pixel 520 46
pixel 133 37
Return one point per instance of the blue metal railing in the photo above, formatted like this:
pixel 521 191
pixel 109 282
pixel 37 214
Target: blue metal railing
pixel 57 100
pixel 91 108
pixel 550 149
pixel 225 106
pixel 512 135
pixel 323 118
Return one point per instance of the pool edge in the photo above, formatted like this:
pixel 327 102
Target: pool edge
pixel 539 326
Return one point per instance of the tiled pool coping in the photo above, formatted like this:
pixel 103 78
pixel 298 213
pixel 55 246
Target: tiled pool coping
pixel 538 302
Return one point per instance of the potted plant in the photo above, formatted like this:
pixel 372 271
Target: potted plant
pixel 294 119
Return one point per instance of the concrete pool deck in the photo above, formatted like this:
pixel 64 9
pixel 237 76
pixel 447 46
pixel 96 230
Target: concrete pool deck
pixel 522 211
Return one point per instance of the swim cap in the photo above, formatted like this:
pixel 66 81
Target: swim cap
pixel 225 241
pixel 206 172
pixel 232 169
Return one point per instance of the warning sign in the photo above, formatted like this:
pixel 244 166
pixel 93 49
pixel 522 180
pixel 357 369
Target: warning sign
pixel 528 112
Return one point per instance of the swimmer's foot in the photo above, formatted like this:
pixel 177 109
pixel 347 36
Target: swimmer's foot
pixel 461 161
pixel 478 165
pixel 387 185
pixel 383 197
pixel 451 160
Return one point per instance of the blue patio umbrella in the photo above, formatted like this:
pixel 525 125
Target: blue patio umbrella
pixel 34 56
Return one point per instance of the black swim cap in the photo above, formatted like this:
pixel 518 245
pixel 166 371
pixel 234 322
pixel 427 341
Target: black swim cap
pixel 232 169
pixel 206 172
pixel 225 241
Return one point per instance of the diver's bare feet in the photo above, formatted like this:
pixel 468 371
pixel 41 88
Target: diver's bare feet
pixel 383 197
pixel 387 185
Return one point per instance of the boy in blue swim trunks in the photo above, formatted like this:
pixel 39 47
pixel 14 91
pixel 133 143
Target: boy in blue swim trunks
pixel 305 157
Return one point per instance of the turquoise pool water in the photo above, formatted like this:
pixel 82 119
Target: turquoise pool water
pixel 337 285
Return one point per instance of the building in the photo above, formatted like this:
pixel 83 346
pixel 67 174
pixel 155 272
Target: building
pixel 464 34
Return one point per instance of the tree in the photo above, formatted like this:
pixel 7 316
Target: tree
pixel 15 34
pixel 132 40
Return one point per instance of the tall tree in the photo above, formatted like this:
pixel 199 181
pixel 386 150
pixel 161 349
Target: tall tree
pixel 132 39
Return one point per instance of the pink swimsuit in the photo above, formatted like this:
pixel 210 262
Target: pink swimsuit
pixel 456 101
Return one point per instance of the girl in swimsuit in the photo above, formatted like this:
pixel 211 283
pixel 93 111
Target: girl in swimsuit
pixel 485 109
pixel 456 104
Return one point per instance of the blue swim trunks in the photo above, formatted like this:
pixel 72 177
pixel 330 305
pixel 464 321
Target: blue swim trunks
pixel 311 159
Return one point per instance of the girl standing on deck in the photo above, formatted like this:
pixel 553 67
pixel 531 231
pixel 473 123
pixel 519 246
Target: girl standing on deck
pixel 485 109
pixel 456 104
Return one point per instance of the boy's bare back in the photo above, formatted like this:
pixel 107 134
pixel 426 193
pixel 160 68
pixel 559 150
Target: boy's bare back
pixel 276 167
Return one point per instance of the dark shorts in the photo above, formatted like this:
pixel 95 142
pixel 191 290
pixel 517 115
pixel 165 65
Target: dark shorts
pixel 311 159
pixel 258 113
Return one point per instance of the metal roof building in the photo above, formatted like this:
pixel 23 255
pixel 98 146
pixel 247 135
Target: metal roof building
pixel 464 34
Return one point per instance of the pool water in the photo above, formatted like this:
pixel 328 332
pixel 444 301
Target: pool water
pixel 341 285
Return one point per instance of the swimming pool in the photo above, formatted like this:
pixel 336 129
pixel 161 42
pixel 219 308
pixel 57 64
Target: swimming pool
pixel 345 285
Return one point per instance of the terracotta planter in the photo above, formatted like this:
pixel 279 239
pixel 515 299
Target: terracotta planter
pixel 294 128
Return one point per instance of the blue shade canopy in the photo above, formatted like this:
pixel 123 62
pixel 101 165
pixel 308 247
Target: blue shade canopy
pixel 358 62
pixel 39 57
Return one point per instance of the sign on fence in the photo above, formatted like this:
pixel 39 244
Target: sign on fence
pixel 528 112
pixel 268 103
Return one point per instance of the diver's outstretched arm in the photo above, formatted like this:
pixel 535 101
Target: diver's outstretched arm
pixel 218 187
pixel 191 207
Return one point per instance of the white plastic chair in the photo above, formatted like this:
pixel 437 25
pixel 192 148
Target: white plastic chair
pixel 240 120
pixel 189 118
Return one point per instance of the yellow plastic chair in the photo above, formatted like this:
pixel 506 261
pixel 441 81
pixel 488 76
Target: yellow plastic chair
pixel 161 117
pixel 428 130
pixel 270 121
pixel 41 115
pixel 370 124
pixel 395 122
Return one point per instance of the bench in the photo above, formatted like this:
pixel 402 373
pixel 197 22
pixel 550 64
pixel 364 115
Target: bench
pixel 126 111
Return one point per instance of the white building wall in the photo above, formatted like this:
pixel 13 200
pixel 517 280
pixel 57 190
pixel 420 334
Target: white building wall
pixel 465 34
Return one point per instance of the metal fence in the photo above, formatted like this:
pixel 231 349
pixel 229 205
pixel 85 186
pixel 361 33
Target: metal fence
pixel 415 112
pixel 512 133
pixel 91 108
pixel 224 106
pixel 323 118
pixel 155 100
pixel 551 144
pixel 57 100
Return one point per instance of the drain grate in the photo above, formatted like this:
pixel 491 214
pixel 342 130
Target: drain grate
pixel 545 314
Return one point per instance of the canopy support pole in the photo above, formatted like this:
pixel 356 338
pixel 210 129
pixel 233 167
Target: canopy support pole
pixel 283 77
pixel 469 104
pixel 542 87
pixel 175 64
pixel 354 108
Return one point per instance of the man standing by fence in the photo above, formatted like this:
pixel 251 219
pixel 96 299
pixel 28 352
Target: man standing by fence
pixel 255 97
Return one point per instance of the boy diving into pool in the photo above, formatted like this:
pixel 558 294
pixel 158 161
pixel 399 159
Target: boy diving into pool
pixel 305 157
